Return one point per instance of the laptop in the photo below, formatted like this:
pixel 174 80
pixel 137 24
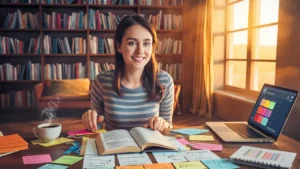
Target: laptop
pixel 266 120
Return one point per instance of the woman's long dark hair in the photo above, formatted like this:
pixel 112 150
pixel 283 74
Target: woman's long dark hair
pixel 149 76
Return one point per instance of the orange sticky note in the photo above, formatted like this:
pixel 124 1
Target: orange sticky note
pixel 130 167
pixel 159 166
pixel 12 142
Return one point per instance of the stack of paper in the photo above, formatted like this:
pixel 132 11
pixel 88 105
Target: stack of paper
pixel 11 143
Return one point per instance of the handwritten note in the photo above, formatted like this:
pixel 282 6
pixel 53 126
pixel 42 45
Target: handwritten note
pixel 53 166
pixel 168 157
pixel 189 165
pixel 37 159
pixel 205 146
pixel 197 155
pixel 95 161
pixel 201 138
pixel 66 159
pixel 183 141
pixel 133 159
pixel 159 166
pixel 219 163
pixel 60 140
pixel 190 131
pixel 130 167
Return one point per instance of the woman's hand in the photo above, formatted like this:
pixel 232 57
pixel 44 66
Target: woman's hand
pixel 158 123
pixel 90 120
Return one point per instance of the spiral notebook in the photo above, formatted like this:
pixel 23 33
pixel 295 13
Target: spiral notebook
pixel 263 158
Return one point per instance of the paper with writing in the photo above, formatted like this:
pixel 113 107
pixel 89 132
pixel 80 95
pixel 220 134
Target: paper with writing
pixel 205 146
pixel 159 166
pixel 53 166
pixel 201 137
pixel 189 165
pixel 130 167
pixel 117 139
pixel 190 131
pixel 183 141
pixel 168 157
pixel 133 159
pixel 66 159
pixel 197 155
pixel 95 161
pixel 219 163
pixel 91 148
pixel 37 159
pixel 60 140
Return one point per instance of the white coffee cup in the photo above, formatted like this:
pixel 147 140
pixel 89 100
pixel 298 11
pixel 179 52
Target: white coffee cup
pixel 47 131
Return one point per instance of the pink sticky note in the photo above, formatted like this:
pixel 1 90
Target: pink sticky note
pixel 205 146
pixel 79 132
pixel 183 141
pixel 37 159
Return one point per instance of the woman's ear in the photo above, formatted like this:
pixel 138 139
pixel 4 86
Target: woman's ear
pixel 119 47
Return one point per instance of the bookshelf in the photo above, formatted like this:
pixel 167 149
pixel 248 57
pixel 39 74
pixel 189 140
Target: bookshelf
pixel 86 57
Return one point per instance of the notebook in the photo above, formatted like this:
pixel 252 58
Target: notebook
pixel 10 143
pixel 263 158
pixel 266 121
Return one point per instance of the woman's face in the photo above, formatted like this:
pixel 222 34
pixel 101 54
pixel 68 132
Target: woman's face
pixel 136 47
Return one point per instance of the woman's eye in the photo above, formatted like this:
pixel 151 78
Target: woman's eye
pixel 131 43
pixel 147 44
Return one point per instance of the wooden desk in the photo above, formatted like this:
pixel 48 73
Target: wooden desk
pixel 68 124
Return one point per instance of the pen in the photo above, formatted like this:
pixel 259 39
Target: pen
pixel 99 126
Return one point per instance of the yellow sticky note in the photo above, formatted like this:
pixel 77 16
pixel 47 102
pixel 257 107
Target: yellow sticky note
pixel 130 167
pixel 60 140
pixel 189 165
pixel 201 138
pixel 187 148
pixel 84 138
pixel 100 131
pixel 159 166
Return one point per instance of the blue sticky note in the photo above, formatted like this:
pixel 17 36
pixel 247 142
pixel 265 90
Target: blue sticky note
pixel 53 166
pixel 190 131
pixel 219 163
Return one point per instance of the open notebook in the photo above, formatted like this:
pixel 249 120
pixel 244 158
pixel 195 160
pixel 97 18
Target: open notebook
pixel 263 158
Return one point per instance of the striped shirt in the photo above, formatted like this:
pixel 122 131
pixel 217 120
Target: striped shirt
pixel 132 109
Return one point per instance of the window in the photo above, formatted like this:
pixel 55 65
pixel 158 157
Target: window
pixel 249 30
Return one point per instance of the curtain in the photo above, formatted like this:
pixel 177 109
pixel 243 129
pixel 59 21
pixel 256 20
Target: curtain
pixel 202 101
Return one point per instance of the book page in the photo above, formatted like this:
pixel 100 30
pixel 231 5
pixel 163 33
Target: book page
pixel 117 139
pixel 148 136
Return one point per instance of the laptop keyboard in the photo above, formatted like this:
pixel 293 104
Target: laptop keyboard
pixel 244 130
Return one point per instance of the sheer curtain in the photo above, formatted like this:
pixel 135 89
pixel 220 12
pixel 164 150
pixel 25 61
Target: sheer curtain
pixel 202 102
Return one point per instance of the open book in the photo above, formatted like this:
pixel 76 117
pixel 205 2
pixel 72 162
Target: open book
pixel 135 140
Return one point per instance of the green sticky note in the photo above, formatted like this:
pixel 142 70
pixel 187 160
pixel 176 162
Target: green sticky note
pixel 189 165
pixel 66 159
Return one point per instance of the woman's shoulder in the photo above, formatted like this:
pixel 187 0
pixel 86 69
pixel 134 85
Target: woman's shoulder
pixel 164 77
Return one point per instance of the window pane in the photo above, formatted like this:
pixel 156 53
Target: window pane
pixel 238 15
pixel 265 43
pixel 237 45
pixel 266 11
pixel 219 20
pixel 236 73
pixel 262 72
pixel 219 48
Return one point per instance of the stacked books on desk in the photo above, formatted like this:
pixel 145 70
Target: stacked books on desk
pixel 12 143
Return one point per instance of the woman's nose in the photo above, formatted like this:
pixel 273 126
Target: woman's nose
pixel 139 49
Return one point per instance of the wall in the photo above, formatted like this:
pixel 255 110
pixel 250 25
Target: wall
pixel 230 107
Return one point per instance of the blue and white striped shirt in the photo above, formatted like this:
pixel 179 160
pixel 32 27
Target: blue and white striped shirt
pixel 132 109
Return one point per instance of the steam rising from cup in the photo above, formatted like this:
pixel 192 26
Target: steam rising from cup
pixel 49 113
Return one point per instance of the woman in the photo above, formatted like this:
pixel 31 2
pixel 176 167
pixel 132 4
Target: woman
pixel 136 93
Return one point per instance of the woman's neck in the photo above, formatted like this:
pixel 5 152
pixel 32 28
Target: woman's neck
pixel 132 78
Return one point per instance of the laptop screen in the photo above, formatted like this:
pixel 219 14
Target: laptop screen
pixel 272 109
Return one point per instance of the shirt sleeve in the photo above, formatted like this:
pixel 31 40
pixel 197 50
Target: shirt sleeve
pixel 166 105
pixel 97 103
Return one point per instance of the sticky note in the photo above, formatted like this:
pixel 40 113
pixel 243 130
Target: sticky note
pixel 190 131
pixel 66 159
pixel 159 166
pixel 219 163
pixel 201 137
pixel 37 159
pixel 85 138
pixel 205 146
pixel 130 167
pixel 53 166
pixel 100 131
pixel 189 165
pixel 60 140
pixel 79 132
pixel 183 141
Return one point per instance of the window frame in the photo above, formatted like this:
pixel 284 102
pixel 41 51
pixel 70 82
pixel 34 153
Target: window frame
pixel 249 61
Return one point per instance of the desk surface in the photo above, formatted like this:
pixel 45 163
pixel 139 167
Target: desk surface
pixel 284 143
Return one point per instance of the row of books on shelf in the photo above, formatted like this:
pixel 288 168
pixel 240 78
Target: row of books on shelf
pixel 100 2
pixel 77 20
pixel 21 20
pixel 174 69
pixel 29 71
pixel 58 71
pixel 10 45
pixel 23 98
pixel 169 46
pixel 101 45
pixel 96 68
pixel 58 45
pixel 100 21
pixel 166 21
